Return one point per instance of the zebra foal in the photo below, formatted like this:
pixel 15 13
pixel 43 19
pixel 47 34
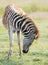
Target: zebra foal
pixel 15 19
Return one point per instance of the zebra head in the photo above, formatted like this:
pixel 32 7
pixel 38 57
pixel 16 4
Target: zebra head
pixel 27 43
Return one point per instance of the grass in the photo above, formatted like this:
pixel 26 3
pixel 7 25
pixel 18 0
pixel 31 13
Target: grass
pixel 28 9
pixel 1 12
pixel 27 6
pixel 38 53
pixel 35 8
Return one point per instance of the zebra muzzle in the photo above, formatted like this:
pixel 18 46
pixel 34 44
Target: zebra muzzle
pixel 25 51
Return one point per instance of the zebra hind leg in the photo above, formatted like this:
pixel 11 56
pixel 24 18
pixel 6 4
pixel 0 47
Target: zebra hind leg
pixel 11 42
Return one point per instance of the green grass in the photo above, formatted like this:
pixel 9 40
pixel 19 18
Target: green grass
pixel 27 6
pixel 34 8
pixel 38 53
pixel 1 12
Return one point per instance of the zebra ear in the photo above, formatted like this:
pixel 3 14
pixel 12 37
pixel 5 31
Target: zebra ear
pixel 37 36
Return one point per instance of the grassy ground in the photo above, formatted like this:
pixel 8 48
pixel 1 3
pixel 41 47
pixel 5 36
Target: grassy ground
pixel 38 53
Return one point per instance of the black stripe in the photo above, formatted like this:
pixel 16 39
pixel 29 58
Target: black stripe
pixel 17 21
pixel 26 32
pixel 16 15
pixel 11 17
pixel 22 21
pixel 24 25
pixel 18 18
pixel 29 26
pixel 13 14
pixel 18 24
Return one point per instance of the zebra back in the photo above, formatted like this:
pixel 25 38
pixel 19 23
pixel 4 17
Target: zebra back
pixel 16 8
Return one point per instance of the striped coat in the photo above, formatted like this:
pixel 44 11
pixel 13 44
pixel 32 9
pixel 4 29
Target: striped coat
pixel 15 19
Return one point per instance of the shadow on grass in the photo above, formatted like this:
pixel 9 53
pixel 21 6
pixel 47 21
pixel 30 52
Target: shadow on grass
pixel 7 62
pixel 39 53
pixel 36 60
pixel 10 62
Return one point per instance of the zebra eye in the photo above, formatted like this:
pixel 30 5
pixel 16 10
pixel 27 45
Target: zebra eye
pixel 29 44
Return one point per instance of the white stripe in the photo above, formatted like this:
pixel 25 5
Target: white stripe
pixel 15 19
pixel 24 24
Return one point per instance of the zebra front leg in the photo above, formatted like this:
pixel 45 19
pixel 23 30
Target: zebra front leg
pixel 11 41
pixel 18 35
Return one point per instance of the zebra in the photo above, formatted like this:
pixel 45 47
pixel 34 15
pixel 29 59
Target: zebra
pixel 16 20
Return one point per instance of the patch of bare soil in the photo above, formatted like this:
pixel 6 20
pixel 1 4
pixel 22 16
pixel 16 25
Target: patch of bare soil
pixel 38 15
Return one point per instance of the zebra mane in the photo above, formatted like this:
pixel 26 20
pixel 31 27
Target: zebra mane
pixel 37 30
